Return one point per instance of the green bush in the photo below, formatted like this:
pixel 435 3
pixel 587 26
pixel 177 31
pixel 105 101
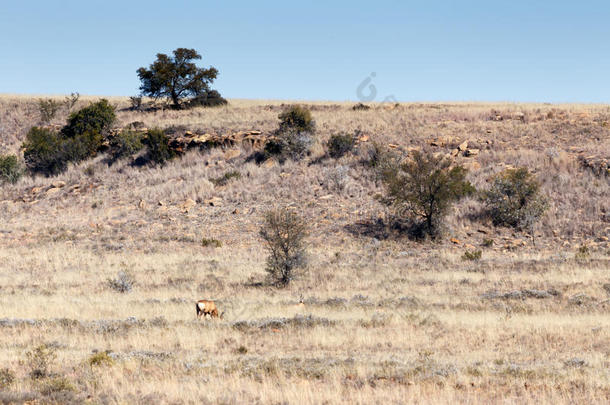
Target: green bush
pixel 97 117
pixel 44 151
pixel 340 144
pixel 48 109
pixel 10 169
pixel 514 199
pixel 82 146
pixel 297 118
pixel 126 143
pixel 49 152
pixel 159 151
pixel 423 188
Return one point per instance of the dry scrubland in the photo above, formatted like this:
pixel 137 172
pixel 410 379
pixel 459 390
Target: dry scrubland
pixel 384 320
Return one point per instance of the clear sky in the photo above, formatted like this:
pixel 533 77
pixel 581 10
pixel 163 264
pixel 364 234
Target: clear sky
pixel 547 51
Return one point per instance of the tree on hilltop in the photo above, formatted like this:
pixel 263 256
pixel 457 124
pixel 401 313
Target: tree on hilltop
pixel 176 77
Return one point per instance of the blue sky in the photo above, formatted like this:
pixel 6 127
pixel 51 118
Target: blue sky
pixel 547 51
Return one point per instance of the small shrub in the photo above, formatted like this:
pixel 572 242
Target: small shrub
pixel 472 256
pixel 336 178
pixel 48 109
pixel 514 199
pixel 7 378
pixel 361 107
pixel 100 359
pixel 289 144
pixel 423 189
pixel 97 117
pixel 226 178
pixel 136 103
pixel 582 253
pixel 159 151
pixel 123 283
pixel 297 119
pixel 39 360
pixel 488 242
pixel 340 144
pixel 283 232
pixel 54 385
pixel 242 350
pixel 205 242
pixel 10 169
pixel 126 143
pixel 71 100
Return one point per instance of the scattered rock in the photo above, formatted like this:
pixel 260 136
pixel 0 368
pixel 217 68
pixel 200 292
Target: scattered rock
pixel 463 146
pixel 471 152
pixel 187 205
pixel 52 191
pixel 456 241
pixel 58 184
pixel 213 202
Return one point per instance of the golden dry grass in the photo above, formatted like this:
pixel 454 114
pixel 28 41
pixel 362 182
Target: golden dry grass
pixel 385 320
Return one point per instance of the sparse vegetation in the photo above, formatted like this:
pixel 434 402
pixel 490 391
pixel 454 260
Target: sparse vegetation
pixel 122 283
pixel 71 100
pixel 472 255
pixel 207 242
pixel 477 331
pixel 284 232
pixel 515 199
pixel 7 378
pixel 100 359
pixel 10 169
pixel 48 109
pixel 40 360
pixel 226 178
pixel 423 188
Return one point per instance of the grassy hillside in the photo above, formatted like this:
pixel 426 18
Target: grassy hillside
pixel 385 318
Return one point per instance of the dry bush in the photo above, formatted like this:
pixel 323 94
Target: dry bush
pixel 514 199
pixel 284 232
pixel 123 283
pixel 40 360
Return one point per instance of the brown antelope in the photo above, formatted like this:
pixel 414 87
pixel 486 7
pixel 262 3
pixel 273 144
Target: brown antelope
pixel 207 307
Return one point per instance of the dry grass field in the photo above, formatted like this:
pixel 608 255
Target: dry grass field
pixel 384 319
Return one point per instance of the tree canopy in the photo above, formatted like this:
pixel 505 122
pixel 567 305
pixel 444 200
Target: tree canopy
pixel 176 77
